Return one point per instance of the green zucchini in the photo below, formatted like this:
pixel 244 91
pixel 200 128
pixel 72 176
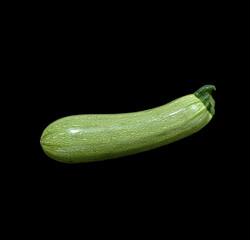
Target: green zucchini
pixel 95 137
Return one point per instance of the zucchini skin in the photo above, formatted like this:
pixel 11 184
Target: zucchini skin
pixel 96 137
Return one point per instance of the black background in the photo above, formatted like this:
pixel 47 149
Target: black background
pixel 123 61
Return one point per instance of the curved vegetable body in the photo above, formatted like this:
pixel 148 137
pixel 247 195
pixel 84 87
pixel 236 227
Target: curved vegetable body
pixel 95 137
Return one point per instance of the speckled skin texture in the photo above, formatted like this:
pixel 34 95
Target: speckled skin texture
pixel 95 137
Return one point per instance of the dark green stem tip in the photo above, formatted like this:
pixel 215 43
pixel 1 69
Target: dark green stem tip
pixel 205 95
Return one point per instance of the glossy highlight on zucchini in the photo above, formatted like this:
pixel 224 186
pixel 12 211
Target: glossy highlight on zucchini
pixel 96 137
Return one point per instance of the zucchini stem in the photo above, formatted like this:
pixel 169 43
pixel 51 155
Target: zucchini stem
pixel 205 95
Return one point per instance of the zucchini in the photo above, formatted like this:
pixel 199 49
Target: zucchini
pixel 95 137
